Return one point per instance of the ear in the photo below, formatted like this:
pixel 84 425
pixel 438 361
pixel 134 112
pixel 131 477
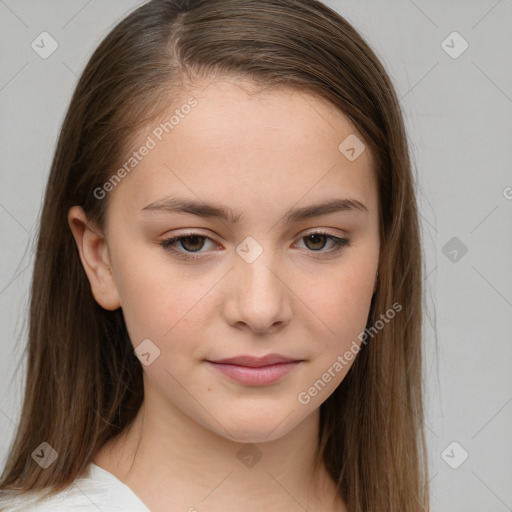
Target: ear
pixel 95 259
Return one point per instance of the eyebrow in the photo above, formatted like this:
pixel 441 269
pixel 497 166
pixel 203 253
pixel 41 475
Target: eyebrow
pixel 210 210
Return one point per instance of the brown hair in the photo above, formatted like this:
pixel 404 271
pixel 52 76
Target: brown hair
pixel 84 383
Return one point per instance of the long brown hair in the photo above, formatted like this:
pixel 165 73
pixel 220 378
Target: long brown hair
pixel 84 383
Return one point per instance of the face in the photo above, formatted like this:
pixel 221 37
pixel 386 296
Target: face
pixel 277 275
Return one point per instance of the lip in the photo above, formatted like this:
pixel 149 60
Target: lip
pixel 255 371
pixel 256 362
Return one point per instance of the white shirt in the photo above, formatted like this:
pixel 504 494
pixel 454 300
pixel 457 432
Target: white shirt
pixel 96 490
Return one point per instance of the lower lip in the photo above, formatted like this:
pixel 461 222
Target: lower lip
pixel 255 376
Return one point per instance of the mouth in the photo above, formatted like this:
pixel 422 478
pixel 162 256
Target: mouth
pixel 254 371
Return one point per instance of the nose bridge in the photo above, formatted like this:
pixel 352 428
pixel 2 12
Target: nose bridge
pixel 255 265
pixel 260 294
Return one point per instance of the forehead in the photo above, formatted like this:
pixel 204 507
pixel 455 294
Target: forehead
pixel 249 149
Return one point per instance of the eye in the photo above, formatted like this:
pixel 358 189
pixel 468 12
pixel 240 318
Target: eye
pixel 316 241
pixel 192 243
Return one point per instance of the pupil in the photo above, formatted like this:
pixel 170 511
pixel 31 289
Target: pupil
pixel 193 238
pixel 316 237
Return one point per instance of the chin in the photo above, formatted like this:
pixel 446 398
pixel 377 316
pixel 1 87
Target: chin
pixel 255 429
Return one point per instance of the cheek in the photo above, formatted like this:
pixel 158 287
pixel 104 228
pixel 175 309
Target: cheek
pixel 158 299
pixel 339 304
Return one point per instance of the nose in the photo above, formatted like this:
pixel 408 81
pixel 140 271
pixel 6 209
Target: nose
pixel 259 295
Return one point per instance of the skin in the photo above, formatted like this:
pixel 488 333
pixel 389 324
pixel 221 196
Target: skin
pixel 259 154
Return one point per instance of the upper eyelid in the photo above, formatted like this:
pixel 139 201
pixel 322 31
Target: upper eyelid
pixel 176 238
pixel 312 231
pixel 344 233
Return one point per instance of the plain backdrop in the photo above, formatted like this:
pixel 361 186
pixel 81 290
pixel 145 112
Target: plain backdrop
pixel 456 93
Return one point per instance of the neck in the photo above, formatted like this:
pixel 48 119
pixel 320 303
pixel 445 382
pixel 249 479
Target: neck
pixel 172 462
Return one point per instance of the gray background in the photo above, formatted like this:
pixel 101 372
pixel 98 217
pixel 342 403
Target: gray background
pixel 458 114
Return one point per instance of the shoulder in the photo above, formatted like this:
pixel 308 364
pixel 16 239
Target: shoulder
pixel 68 499
pixel 95 490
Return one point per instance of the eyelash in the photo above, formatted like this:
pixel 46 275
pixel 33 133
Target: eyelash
pixel 339 244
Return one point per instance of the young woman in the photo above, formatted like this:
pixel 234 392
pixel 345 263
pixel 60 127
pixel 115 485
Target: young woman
pixel 227 296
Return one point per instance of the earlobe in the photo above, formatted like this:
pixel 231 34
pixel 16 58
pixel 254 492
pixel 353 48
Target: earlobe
pixel 95 259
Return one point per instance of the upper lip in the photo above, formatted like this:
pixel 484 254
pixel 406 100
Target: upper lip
pixel 257 362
